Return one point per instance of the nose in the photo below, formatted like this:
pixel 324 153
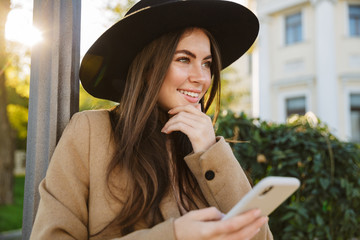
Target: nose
pixel 199 74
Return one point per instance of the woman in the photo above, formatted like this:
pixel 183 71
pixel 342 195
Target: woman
pixel 152 168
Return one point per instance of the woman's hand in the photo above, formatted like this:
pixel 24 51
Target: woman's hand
pixel 205 224
pixel 194 123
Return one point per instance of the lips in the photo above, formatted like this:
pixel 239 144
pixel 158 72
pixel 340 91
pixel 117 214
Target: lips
pixel 190 94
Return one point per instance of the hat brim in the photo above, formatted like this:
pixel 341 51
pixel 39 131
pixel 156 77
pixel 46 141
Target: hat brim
pixel 104 67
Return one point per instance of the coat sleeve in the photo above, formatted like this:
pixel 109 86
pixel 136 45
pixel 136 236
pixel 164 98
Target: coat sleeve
pixel 221 178
pixel 62 211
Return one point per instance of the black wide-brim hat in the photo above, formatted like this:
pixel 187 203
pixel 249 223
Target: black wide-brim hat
pixel 104 68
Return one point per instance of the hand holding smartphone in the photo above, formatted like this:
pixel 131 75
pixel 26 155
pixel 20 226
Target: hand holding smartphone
pixel 267 195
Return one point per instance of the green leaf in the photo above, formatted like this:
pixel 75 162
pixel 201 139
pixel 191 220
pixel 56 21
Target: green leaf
pixel 324 183
pixel 319 220
pixel 287 216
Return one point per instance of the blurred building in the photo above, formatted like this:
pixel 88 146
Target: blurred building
pixel 307 58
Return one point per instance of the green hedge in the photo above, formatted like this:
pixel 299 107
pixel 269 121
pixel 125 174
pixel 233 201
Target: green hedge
pixel 327 205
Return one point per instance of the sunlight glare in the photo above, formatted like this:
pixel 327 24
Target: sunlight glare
pixel 19 28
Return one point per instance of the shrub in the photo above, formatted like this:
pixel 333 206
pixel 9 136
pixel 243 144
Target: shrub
pixel 11 215
pixel 327 204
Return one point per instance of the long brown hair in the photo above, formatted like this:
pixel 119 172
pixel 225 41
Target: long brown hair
pixel 140 145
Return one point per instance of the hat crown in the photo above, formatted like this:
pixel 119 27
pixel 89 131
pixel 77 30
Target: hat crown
pixel 149 3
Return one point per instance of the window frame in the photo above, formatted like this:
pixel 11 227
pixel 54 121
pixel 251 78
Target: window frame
pixel 293 111
pixel 357 30
pixel 296 28
pixel 283 95
pixel 348 91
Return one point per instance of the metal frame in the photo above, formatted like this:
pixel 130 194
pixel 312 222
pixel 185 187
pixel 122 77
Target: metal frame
pixel 54 92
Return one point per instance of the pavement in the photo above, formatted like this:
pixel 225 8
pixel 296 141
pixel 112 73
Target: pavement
pixel 11 235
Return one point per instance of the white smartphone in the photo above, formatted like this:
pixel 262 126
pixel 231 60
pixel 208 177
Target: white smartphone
pixel 267 195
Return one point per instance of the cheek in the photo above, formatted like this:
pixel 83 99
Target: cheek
pixel 173 77
pixel 208 83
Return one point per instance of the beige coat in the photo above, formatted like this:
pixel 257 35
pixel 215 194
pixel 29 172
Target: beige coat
pixel 75 203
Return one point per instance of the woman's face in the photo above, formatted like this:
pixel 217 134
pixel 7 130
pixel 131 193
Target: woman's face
pixel 188 76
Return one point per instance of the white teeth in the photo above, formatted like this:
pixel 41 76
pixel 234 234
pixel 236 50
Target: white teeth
pixel 191 94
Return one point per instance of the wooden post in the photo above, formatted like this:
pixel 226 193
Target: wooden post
pixel 54 92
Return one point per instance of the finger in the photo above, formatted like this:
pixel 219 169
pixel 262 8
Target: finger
pixel 179 126
pixel 189 120
pixel 186 116
pixel 201 118
pixel 250 230
pixel 185 108
pixel 206 214
pixel 238 222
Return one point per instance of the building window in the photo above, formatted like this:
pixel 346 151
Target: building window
pixel 355 117
pixel 293 28
pixel 296 105
pixel 354 20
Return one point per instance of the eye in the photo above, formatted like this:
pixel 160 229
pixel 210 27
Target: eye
pixel 183 59
pixel 207 64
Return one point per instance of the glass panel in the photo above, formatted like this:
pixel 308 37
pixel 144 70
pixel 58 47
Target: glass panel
pixel 295 106
pixel 293 29
pixel 355 126
pixel 355 117
pixel 355 101
pixel 354 20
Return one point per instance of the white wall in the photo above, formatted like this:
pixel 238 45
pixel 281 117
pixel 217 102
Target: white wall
pixel 325 77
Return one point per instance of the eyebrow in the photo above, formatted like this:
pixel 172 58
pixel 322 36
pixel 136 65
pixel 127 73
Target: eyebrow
pixel 191 54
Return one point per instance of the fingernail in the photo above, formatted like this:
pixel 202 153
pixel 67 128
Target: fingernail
pixel 163 130
pixel 257 212
pixel 263 220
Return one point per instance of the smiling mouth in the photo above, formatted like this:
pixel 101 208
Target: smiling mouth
pixel 190 94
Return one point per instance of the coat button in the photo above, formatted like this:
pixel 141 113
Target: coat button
pixel 209 175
